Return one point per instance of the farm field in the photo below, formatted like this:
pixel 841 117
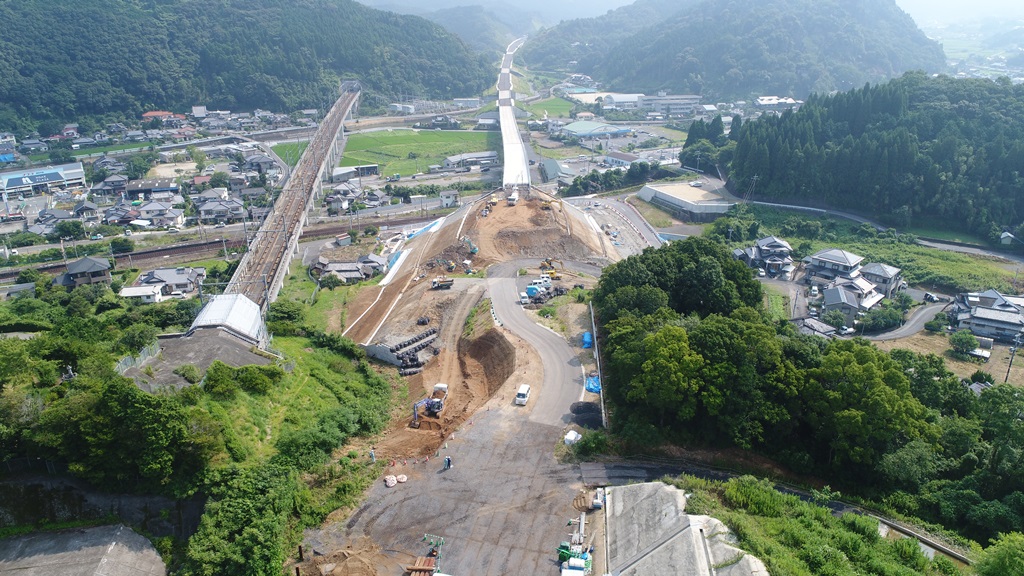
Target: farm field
pixel 409 152
pixel 555 108
pixel 290 152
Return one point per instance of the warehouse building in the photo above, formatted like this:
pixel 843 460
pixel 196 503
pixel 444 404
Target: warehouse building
pixel 685 201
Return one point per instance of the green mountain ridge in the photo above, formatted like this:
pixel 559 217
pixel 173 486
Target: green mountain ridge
pixel 586 39
pixel 124 57
pixel 734 49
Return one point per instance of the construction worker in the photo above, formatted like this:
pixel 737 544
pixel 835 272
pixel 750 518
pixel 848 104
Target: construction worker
pixel 373 457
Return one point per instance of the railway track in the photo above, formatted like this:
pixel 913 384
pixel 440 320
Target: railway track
pixel 264 266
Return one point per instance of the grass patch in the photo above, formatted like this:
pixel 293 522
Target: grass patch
pixel 554 107
pixel 948 235
pixel 327 312
pixel 409 152
pixel 776 302
pixel 799 538
pixel 479 319
pixel 290 152
pixel 654 215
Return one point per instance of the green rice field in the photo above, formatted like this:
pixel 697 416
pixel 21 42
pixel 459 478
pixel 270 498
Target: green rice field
pixel 408 152
pixel 555 108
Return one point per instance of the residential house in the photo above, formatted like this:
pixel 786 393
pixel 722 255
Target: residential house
pixel 115 185
pixel 236 183
pixel 200 181
pixel 260 163
pixel 841 299
pixel 33 145
pixel 211 194
pixel 70 131
pixel 831 263
pixel 814 327
pixel 134 136
pixel 375 198
pixel 88 270
pixel 144 294
pixel 989 314
pixel 450 198
pixel 53 216
pixel 348 272
pixel 252 194
pixel 771 253
pixel 336 203
pixel 161 214
pixel 182 279
pixel 8 138
pixel 378 263
pixel 110 164
pixel 86 211
pixel 120 214
pixel 221 210
pixel 887 279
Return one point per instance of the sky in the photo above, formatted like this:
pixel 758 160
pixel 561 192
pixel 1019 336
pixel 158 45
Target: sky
pixel 948 11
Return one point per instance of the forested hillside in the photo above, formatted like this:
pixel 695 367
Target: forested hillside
pixel 63 60
pixel 692 358
pixel 585 40
pixel 917 151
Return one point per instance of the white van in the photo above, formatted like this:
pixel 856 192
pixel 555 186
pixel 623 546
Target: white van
pixel 523 396
pixel 545 282
pixel 524 298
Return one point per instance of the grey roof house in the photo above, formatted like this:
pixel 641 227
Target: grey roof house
pixel 990 314
pixel 88 270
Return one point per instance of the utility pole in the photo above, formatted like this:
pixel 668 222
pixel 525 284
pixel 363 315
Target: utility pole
pixel 1013 353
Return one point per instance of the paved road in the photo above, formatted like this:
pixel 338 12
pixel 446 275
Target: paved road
pixel 562 383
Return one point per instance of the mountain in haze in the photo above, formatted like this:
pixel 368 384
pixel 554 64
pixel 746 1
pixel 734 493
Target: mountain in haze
pixel 484 29
pixel 547 12
pixel 124 57
pixel 736 49
pixel 589 39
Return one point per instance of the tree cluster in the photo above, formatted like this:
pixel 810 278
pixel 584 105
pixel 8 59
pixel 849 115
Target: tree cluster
pixel 691 356
pixel 594 182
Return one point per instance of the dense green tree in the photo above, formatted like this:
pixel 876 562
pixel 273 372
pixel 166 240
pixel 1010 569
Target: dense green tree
pixel 1004 557
pixel 962 342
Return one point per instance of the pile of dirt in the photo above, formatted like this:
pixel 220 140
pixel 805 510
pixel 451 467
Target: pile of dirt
pixel 491 356
pixel 542 243
pixel 364 558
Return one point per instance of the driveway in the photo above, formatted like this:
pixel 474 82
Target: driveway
pixel 914 324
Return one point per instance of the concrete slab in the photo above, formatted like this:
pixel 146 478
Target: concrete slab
pixel 100 551
pixel 201 349
pixel 650 534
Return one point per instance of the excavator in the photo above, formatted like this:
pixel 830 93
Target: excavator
pixel 472 247
pixel 548 265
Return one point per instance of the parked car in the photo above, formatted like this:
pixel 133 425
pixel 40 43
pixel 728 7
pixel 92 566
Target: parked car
pixel 696 183
pixel 172 230
pixel 929 297
pixel 760 272
pixel 96 236
pixel 220 225
pixel 846 330
pixel 814 291
pixel 127 231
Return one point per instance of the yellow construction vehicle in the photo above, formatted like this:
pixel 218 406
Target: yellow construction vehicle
pixel 545 205
pixel 548 265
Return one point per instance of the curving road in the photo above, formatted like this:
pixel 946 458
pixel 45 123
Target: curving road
pixel 562 383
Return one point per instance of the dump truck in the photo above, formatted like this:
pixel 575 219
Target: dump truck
pixel 441 283
pixel 437 399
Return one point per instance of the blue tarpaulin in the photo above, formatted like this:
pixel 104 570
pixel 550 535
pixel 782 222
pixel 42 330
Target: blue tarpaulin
pixel 588 340
pixel 593 384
